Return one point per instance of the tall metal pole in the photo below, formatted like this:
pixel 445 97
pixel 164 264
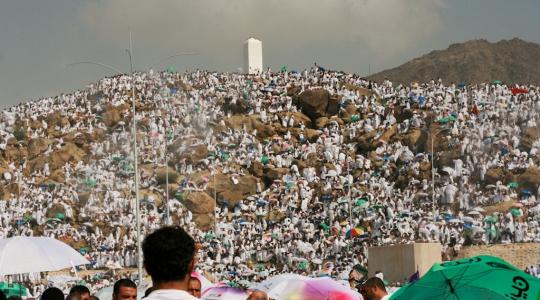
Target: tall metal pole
pixel 433 177
pixel 135 160
pixel 167 208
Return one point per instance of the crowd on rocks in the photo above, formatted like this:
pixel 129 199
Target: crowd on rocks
pixel 274 172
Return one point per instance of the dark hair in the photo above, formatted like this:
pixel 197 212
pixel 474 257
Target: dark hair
pixel 74 296
pixel 14 297
pixel 148 291
pixel 124 282
pixel 2 296
pixel 79 289
pixel 52 293
pixel 168 253
pixel 374 282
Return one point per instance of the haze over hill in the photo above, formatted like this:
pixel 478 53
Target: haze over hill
pixel 475 61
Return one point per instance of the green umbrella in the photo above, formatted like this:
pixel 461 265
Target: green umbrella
pixel 479 277
pixel 377 206
pixel 265 160
pixel 516 212
pixel 12 289
pixel 283 68
pixel 497 82
pixel 491 219
pixel 325 226
pixel 355 118
pixel 343 200
pixel 362 203
pixel 225 156
pixel 513 185
pixel 443 120
pixel 171 69
pixel 90 182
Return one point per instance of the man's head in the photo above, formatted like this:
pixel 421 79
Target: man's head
pixel 194 287
pixel 52 293
pixel 124 289
pixel 373 289
pixel 80 290
pixel 169 254
pixel 2 296
pixel 258 295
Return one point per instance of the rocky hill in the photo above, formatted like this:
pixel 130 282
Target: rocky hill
pixel 476 61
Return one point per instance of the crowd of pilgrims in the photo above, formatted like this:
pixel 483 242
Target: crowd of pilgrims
pixel 329 217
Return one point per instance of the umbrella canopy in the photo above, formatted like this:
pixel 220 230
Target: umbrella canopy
pixel 479 277
pixel 355 232
pixel 516 212
pixel 276 285
pixel 490 219
pixel 20 255
pixel 361 203
pixel 296 287
pixel 12 289
pixel 513 185
pixel 225 293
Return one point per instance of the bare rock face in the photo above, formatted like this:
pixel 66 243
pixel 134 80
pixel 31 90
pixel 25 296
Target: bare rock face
pixel 199 202
pixel 530 179
pixel 37 146
pixel 497 174
pixel 229 193
pixel 318 103
pixel 530 136
pixel 203 221
pixel 272 174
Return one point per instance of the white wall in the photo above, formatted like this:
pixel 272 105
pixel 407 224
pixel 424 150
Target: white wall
pixel 253 58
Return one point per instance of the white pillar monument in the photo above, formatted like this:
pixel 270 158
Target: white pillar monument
pixel 253 59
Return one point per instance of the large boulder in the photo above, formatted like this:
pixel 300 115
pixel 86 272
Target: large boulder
pixel 530 179
pixel 257 169
pixel 413 139
pixel 229 193
pixel 317 103
pixel 298 118
pixel 272 174
pixel 530 135
pixel 204 221
pixel 497 174
pixel 68 153
pixel 161 175
pixel 199 202
pixel 37 146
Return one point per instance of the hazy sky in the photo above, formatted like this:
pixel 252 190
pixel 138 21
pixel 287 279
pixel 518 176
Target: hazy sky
pixel 39 37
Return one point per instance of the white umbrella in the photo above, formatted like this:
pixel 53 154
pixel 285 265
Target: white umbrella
pixel 224 293
pixel 474 213
pixel 468 219
pixel 321 288
pixel 20 255
pixel 276 285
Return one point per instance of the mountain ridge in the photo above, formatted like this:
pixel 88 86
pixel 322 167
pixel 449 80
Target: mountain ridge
pixel 472 62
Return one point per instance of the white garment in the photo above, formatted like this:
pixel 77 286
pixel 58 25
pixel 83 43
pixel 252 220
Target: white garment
pixel 170 295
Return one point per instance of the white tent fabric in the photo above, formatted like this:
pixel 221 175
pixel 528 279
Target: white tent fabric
pixel 20 255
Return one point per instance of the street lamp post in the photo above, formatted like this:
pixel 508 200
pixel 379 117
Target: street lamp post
pixel 166 137
pixel 135 154
pixel 135 161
